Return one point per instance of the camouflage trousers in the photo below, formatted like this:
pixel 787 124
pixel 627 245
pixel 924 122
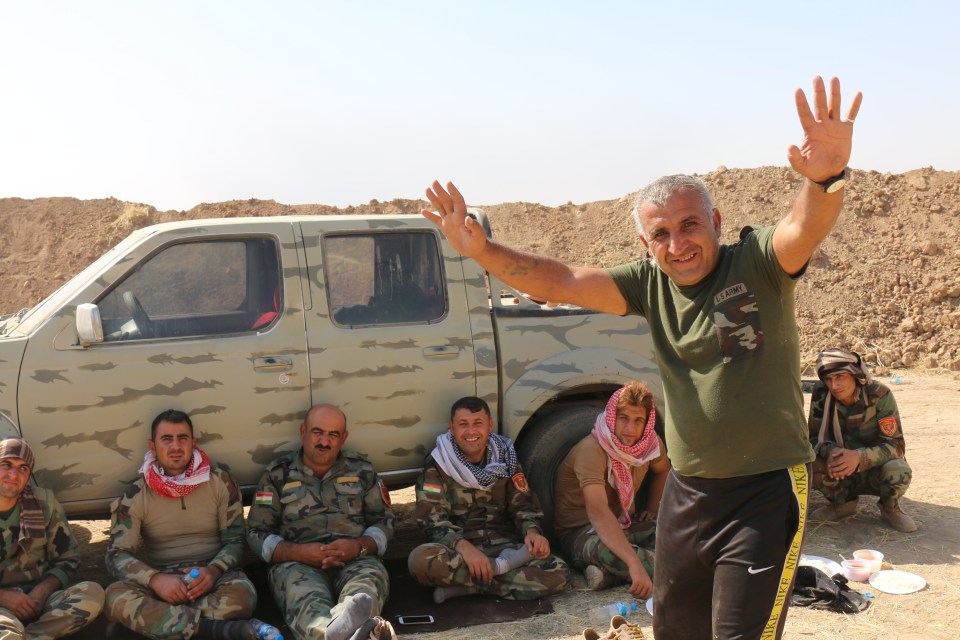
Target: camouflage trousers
pixel 436 565
pixel 583 547
pixel 888 481
pixel 139 609
pixel 310 597
pixel 65 612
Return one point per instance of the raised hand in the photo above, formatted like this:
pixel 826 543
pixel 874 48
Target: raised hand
pixel 450 214
pixel 827 138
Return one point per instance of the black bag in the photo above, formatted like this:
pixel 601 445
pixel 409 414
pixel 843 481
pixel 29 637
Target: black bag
pixel 813 588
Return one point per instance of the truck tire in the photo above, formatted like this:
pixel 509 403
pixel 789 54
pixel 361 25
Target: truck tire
pixel 546 445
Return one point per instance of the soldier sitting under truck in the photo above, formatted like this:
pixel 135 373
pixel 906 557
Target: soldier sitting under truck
pixel 322 519
pixel 599 529
pixel 855 430
pixel 481 517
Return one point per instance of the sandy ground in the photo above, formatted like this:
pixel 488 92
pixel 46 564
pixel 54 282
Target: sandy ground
pixel 930 410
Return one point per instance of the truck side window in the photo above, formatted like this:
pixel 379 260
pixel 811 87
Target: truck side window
pixel 196 289
pixel 384 278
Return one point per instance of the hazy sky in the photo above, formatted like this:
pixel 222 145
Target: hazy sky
pixel 174 103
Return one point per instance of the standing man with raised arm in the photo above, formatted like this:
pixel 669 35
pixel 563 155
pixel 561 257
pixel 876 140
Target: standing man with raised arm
pixel 723 321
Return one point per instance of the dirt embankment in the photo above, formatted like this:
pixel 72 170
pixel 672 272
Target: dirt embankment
pixel 884 283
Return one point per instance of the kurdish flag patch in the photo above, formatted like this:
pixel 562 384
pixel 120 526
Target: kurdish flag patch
pixel 435 489
pixel 263 497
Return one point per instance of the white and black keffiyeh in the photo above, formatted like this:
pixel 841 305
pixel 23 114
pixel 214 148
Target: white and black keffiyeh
pixel 501 461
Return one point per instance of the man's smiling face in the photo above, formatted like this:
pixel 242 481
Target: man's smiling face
pixel 471 430
pixel 682 236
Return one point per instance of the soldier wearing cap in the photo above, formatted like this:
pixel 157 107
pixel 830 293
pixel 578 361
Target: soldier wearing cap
pixel 39 557
pixel 855 430
pixel 481 517
pixel 321 517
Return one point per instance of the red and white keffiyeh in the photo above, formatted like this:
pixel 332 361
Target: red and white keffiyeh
pixel 198 472
pixel 621 457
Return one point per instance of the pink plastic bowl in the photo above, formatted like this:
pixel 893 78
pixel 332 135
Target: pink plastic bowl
pixel 856 570
pixel 875 558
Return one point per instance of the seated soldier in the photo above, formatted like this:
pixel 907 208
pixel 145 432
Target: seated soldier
pixel 595 491
pixel 321 517
pixel 38 557
pixel 855 430
pixel 482 520
pixel 183 513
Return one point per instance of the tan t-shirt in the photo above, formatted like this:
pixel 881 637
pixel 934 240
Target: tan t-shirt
pixel 586 464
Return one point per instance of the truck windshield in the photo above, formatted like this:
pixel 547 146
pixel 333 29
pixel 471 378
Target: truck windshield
pixel 39 314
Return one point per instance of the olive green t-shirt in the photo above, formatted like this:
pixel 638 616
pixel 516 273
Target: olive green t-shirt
pixel 729 357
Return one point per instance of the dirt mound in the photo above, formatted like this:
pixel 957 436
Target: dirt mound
pixel 884 283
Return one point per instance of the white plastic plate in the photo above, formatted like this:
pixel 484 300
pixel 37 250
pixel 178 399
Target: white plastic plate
pixel 826 565
pixel 898 582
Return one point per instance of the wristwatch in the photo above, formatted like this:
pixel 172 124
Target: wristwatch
pixel 834 184
pixel 363 549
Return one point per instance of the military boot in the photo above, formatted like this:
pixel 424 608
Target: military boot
pixel 896 518
pixel 835 511
pixel 598 579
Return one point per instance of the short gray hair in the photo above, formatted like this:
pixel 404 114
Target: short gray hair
pixel 662 189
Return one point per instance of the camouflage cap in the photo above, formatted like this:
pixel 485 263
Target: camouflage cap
pixel 16 448
pixel 834 360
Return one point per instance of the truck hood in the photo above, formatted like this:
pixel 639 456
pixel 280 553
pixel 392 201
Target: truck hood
pixel 11 354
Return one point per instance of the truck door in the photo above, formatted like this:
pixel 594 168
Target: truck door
pixel 390 339
pixel 208 322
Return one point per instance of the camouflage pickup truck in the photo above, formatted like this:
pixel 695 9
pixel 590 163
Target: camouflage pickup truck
pixel 245 322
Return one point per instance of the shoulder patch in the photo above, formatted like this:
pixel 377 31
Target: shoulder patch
pixel 384 492
pixel 520 482
pixel 263 497
pixel 888 425
pixel 432 488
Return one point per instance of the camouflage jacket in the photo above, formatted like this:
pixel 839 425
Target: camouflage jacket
pixel 53 555
pixel 293 505
pixel 448 512
pixel 151 533
pixel 871 425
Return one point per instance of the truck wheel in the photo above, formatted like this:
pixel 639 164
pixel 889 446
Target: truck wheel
pixel 545 445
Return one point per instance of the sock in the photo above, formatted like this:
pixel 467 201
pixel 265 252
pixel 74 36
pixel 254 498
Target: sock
pixel 357 612
pixel 445 593
pixel 226 630
pixel 510 559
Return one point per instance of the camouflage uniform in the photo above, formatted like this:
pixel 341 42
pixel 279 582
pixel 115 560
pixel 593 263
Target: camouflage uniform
pixel 583 548
pixel 871 426
pixel 492 520
pixel 22 568
pixel 131 559
pixel 293 505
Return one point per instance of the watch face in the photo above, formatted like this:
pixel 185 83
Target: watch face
pixel 836 186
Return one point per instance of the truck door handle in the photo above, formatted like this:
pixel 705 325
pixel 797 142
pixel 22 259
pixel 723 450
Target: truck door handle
pixel 272 363
pixel 441 352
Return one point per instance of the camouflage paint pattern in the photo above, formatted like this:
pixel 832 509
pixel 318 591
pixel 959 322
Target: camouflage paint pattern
pixel 394 382
pixel 871 426
pixel 492 520
pixel 64 613
pixel 583 547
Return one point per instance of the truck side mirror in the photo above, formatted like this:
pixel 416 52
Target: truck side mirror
pixel 89 327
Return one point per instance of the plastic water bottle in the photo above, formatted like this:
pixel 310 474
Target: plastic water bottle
pixel 265 631
pixel 600 616
pixel 190 577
